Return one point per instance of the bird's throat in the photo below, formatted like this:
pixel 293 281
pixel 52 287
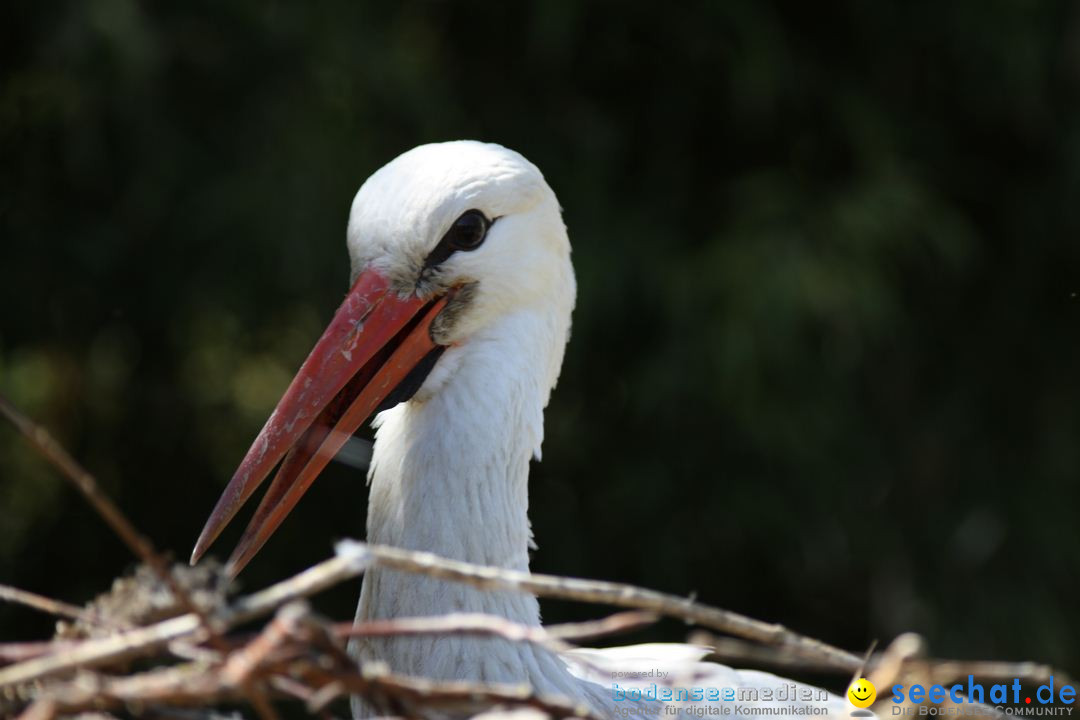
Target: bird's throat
pixel 450 476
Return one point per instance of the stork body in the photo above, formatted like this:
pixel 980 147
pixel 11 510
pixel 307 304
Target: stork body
pixel 450 468
pixel 462 246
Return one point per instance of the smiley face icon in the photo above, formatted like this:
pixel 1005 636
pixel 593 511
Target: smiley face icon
pixel 862 693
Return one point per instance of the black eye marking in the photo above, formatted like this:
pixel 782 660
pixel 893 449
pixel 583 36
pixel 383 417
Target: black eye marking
pixel 467 233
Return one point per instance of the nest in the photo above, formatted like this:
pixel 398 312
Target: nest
pixel 170 641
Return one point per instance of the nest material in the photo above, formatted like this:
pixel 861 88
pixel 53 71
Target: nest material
pixel 177 622
pixel 143 598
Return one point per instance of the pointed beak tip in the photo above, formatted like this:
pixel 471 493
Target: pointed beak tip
pixel 373 343
pixel 202 544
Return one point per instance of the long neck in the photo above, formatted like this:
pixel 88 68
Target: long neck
pixel 449 475
pixel 450 472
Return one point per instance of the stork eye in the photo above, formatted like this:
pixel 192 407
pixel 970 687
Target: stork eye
pixel 468 231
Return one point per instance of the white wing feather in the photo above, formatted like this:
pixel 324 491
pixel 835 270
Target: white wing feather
pixel 649 668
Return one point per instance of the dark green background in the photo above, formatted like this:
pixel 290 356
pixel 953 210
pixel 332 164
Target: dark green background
pixel 827 346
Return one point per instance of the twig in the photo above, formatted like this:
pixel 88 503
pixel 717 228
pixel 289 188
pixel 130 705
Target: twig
pixel 597 591
pixel 90 653
pixel 552 637
pixel 885 665
pixel 354 558
pixel 611 625
pixel 46 604
pixel 146 640
pixel 20 651
pixel 44 709
pixel 299 656
pixel 734 651
pixel 52 451
pixel 320 679
pixel 243 664
pixel 183 686
pixel 374 679
pixel 295 634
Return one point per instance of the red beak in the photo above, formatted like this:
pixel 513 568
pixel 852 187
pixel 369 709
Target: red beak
pixel 374 342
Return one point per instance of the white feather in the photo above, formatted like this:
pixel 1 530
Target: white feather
pixel 449 472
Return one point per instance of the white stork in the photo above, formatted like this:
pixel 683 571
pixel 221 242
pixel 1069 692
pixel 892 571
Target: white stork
pixel 453 332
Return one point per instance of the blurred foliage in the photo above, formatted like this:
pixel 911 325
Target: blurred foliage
pixel 826 359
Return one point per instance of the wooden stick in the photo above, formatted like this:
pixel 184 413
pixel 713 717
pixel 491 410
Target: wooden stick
pixel 146 640
pixel 596 591
pixel 54 452
pixel 354 558
pixel 553 637
pixel 46 604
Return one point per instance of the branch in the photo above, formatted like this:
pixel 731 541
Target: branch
pixel 597 591
pixel 52 451
pixel 284 650
pixel 147 640
pixel 143 549
pixel 552 637
pixel 47 604
pixel 299 656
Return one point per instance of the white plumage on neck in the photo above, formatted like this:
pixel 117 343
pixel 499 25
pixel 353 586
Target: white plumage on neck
pixel 449 475
pixel 450 468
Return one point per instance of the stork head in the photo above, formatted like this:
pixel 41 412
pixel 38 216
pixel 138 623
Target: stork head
pixel 445 241
pixel 465 215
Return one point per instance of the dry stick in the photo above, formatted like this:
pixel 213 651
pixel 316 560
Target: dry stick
pixel 597 591
pixel 350 563
pixel 145 640
pixel 292 632
pixel 89 653
pixel 245 662
pixel 44 709
pixel 354 558
pixel 942 670
pixel 182 686
pixel 885 666
pixel 52 451
pixel 611 625
pixel 19 651
pixel 425 563
pixel 46 604
pixel 295 620
pixel 233 679
pixel 552 637
pixel 796 646
pixel 734 651
pixel 376 679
